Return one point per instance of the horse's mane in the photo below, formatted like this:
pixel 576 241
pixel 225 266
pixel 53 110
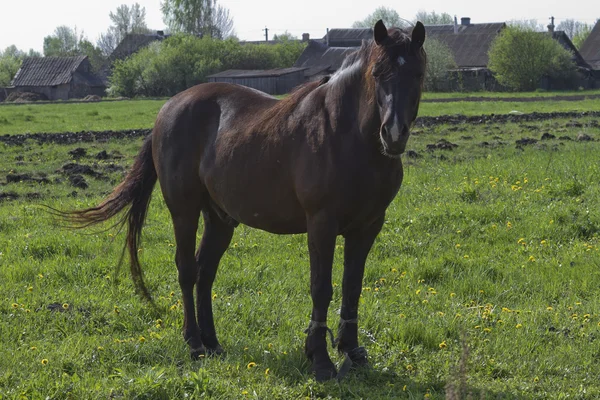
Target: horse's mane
pixel 273 117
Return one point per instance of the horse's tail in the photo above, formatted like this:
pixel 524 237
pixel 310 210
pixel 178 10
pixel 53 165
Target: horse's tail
pixel 134 192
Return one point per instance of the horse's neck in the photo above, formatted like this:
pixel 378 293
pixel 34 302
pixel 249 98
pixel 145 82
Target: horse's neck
pixel 350 99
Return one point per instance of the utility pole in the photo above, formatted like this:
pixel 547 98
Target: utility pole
pixel 266 33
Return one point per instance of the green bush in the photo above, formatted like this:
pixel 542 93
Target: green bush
pixel 181 61
pixel 520 58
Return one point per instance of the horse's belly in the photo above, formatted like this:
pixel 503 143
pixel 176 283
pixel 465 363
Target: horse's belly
pixel 271 208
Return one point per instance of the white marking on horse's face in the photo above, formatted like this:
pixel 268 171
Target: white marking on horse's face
pixel 395 130
pixel 401 61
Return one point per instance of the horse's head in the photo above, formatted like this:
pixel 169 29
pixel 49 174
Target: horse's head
pixel 397 65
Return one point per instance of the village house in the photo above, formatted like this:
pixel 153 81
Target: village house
pixel 58 78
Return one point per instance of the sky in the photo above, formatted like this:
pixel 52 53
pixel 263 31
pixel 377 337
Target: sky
pixel 25 23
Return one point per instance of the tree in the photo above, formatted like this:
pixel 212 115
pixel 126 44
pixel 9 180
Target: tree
pixel 439 61
pixel 203 18
pixel 285 36
pixel 10 62
pixel 125 20
pixel 389 16
pixel 520 57
pixel 433 18
pixel 580 36
pixel 572 27
pixel 63 42
pixel 528 24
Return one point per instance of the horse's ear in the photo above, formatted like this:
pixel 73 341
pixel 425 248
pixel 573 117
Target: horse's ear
pixel 380 32
pixel 418 36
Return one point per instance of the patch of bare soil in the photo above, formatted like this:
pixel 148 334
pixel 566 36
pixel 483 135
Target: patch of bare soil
pixel 516 99
pixel 423 122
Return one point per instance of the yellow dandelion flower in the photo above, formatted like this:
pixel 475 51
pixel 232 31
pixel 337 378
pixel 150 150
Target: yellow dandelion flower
pixel 244 392
pixel 44 361
pixel 267 371
pixel 587 316
pixel 466 256
pixel 15 305
pixel 214 296
pixel 518 326
pixel 40 276
pixel 251 364
pixel 443 345
pixel 505 309
pixel 477 326
pixel 531 259
pixel 404 388
pixel 410 367
pixel 509 225
pixel 394 270
pixel 549 308
pixel 487 330
pixel 441 313
pixel 33 348
pixel 142 339
pixel 30 289
pixel 65 306
pixel 116 310
pixel 418 291
pixel 543 242
pixel 402 316
pixel 452 294
pixel 425 301
pixel 100 348
pixel 536 379
pixel 457 245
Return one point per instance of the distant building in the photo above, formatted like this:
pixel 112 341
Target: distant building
pixel 58 78
pixel 590 49
pixel 273 81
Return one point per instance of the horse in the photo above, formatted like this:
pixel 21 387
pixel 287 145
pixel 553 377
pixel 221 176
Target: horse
pixel 325 160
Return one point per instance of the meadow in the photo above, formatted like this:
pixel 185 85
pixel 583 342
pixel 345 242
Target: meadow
pixel 482 283
pixel 139 114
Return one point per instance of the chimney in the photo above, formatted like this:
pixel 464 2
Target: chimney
pixel 327 36
pixel 465 21
pixel 305 37
pixel 551 26
pixel 455 25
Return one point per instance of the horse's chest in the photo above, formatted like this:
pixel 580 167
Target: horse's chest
pixel 369 192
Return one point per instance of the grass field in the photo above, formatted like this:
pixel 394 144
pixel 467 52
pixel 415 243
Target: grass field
pixel 140 114
pixel 483 282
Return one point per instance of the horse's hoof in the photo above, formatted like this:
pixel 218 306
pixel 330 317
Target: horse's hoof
pixel 358 356
pixel 216 351
pixel 325 374
pixel 198 353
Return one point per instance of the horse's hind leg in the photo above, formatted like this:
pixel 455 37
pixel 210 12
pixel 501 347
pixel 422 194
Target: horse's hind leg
pixel 185 224
pixel 215 240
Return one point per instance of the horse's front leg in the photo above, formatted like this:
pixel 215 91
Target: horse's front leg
pixel 322 233
pixel 357 245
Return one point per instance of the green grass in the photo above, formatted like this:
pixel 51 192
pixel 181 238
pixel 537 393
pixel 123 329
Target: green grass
pixel 489 258
pixel 75 117
pixel 140 114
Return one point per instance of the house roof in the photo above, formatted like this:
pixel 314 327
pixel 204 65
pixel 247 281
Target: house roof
pixel 562 38
pixel 132 42
pixel 49 71
pixel 347 37
pixel 317 57
pixel 590 49
pixel 255 73
pixel 471 43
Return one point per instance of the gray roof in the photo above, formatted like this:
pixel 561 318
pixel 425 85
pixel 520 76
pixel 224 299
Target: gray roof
pixel 470 45
pixel 50 71
pixel 255 73
pixel 562 38
pixel 318 57
pixel 348 37
pixel 590 50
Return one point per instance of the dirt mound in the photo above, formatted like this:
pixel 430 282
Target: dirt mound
pixel 72 137
pixel 25 97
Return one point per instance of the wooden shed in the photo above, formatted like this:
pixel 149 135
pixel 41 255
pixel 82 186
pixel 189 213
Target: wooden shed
pixel 272 81
pixel 58 78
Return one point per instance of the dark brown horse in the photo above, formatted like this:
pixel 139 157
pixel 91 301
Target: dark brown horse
pixel 325 160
